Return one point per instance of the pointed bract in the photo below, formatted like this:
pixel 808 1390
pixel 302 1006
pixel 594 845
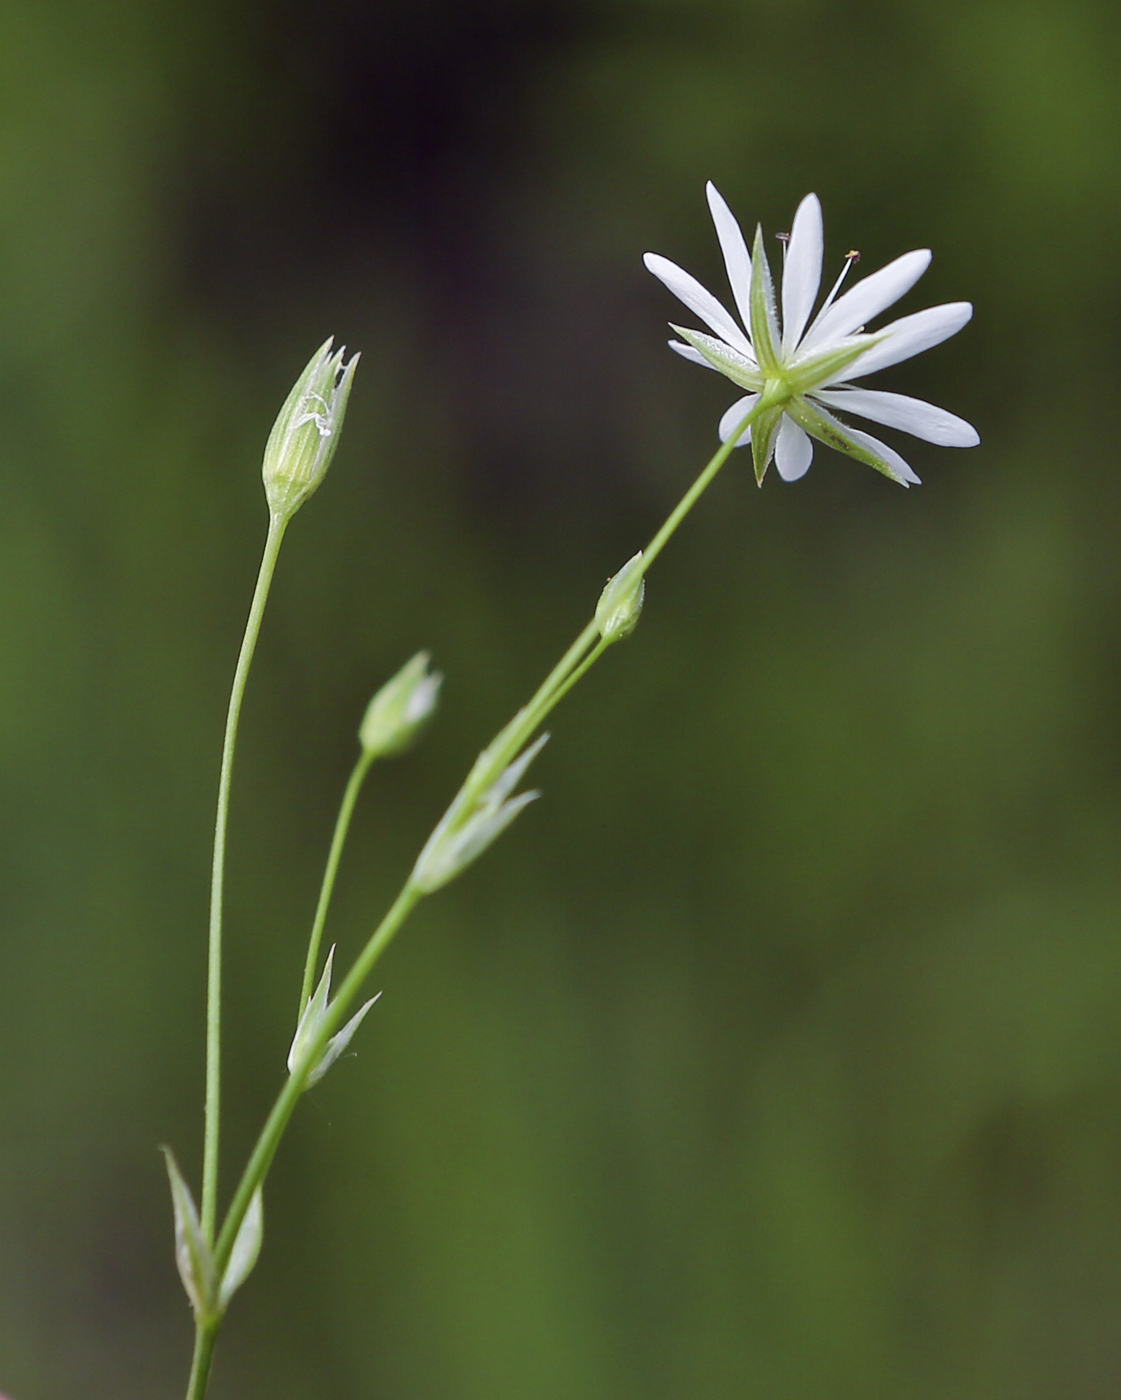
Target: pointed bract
pixel 192 1253
pixel 311 1023
pixel 247 1248
pixel 338 1043
pixel 810 362
pixel 471 824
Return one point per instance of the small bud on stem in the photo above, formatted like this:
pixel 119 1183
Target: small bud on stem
pixel 400 709
pixel 306 432
pixel 620 603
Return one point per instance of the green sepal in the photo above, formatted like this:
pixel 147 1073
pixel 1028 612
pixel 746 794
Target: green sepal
pixel 822 425
pixel 815 370
pixel 764 430
pixel 764 317
pixel 720 355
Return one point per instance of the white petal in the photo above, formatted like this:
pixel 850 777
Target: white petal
pixel 869 297
pixel 736 257
pixel 735 416
pixel 921 420
pixel 688 290
pixel 911 335
pixel 688 353
pixel 794 450
pixel 904 474
pixel 801 275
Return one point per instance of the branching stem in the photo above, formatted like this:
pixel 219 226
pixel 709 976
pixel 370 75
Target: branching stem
pixel 576 662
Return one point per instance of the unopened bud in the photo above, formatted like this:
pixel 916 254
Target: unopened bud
pixel 400 709
pixel 620 603
pixel 306 432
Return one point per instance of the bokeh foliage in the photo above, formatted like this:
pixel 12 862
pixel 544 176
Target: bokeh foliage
pixel 776 1053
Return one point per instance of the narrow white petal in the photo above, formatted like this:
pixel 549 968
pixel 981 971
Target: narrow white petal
pixel 801 275
pixel 735 416
pixel 869 297
pixel 921 420
pixel 689 291
pixel 911 335
pixel 732 244
pixel 904 474
pixel 687 352
pixel 794 450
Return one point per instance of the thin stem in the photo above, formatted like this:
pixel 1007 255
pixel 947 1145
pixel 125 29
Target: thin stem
pixel 205 1337
pixel 690 498
pixel 576 662
pixel 342 826
pixel 258 1165
pixel 277 525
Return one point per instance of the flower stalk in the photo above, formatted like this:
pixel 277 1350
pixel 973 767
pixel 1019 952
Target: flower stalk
pixel 492 763
pixel 277 526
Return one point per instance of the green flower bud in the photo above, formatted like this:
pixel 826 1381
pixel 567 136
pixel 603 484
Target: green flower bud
pixel 620 603
pixel 306 432
pixel 401 708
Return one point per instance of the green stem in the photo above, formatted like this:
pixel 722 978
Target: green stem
pixel 342 826
pixel 205 1337
pixel 576 662
pixel 689 500
pixel 277 525
pixel 258 1165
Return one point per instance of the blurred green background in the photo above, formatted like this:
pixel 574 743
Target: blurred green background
pixel 777 1052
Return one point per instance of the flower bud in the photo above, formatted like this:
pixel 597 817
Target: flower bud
pixel 400 709
pixel 620 603
pixel 306 432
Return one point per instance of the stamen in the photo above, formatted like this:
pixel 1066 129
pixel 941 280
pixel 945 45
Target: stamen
pixel 853 256
pixel 784 239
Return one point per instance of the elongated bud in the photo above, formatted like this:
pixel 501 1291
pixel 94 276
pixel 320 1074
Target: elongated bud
pixel 306 432
pixel 620 603
pixel 401 708
pixel 310 1023
pixel 467 828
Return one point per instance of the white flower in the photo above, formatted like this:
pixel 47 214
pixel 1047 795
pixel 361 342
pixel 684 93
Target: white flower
pixel 805 368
